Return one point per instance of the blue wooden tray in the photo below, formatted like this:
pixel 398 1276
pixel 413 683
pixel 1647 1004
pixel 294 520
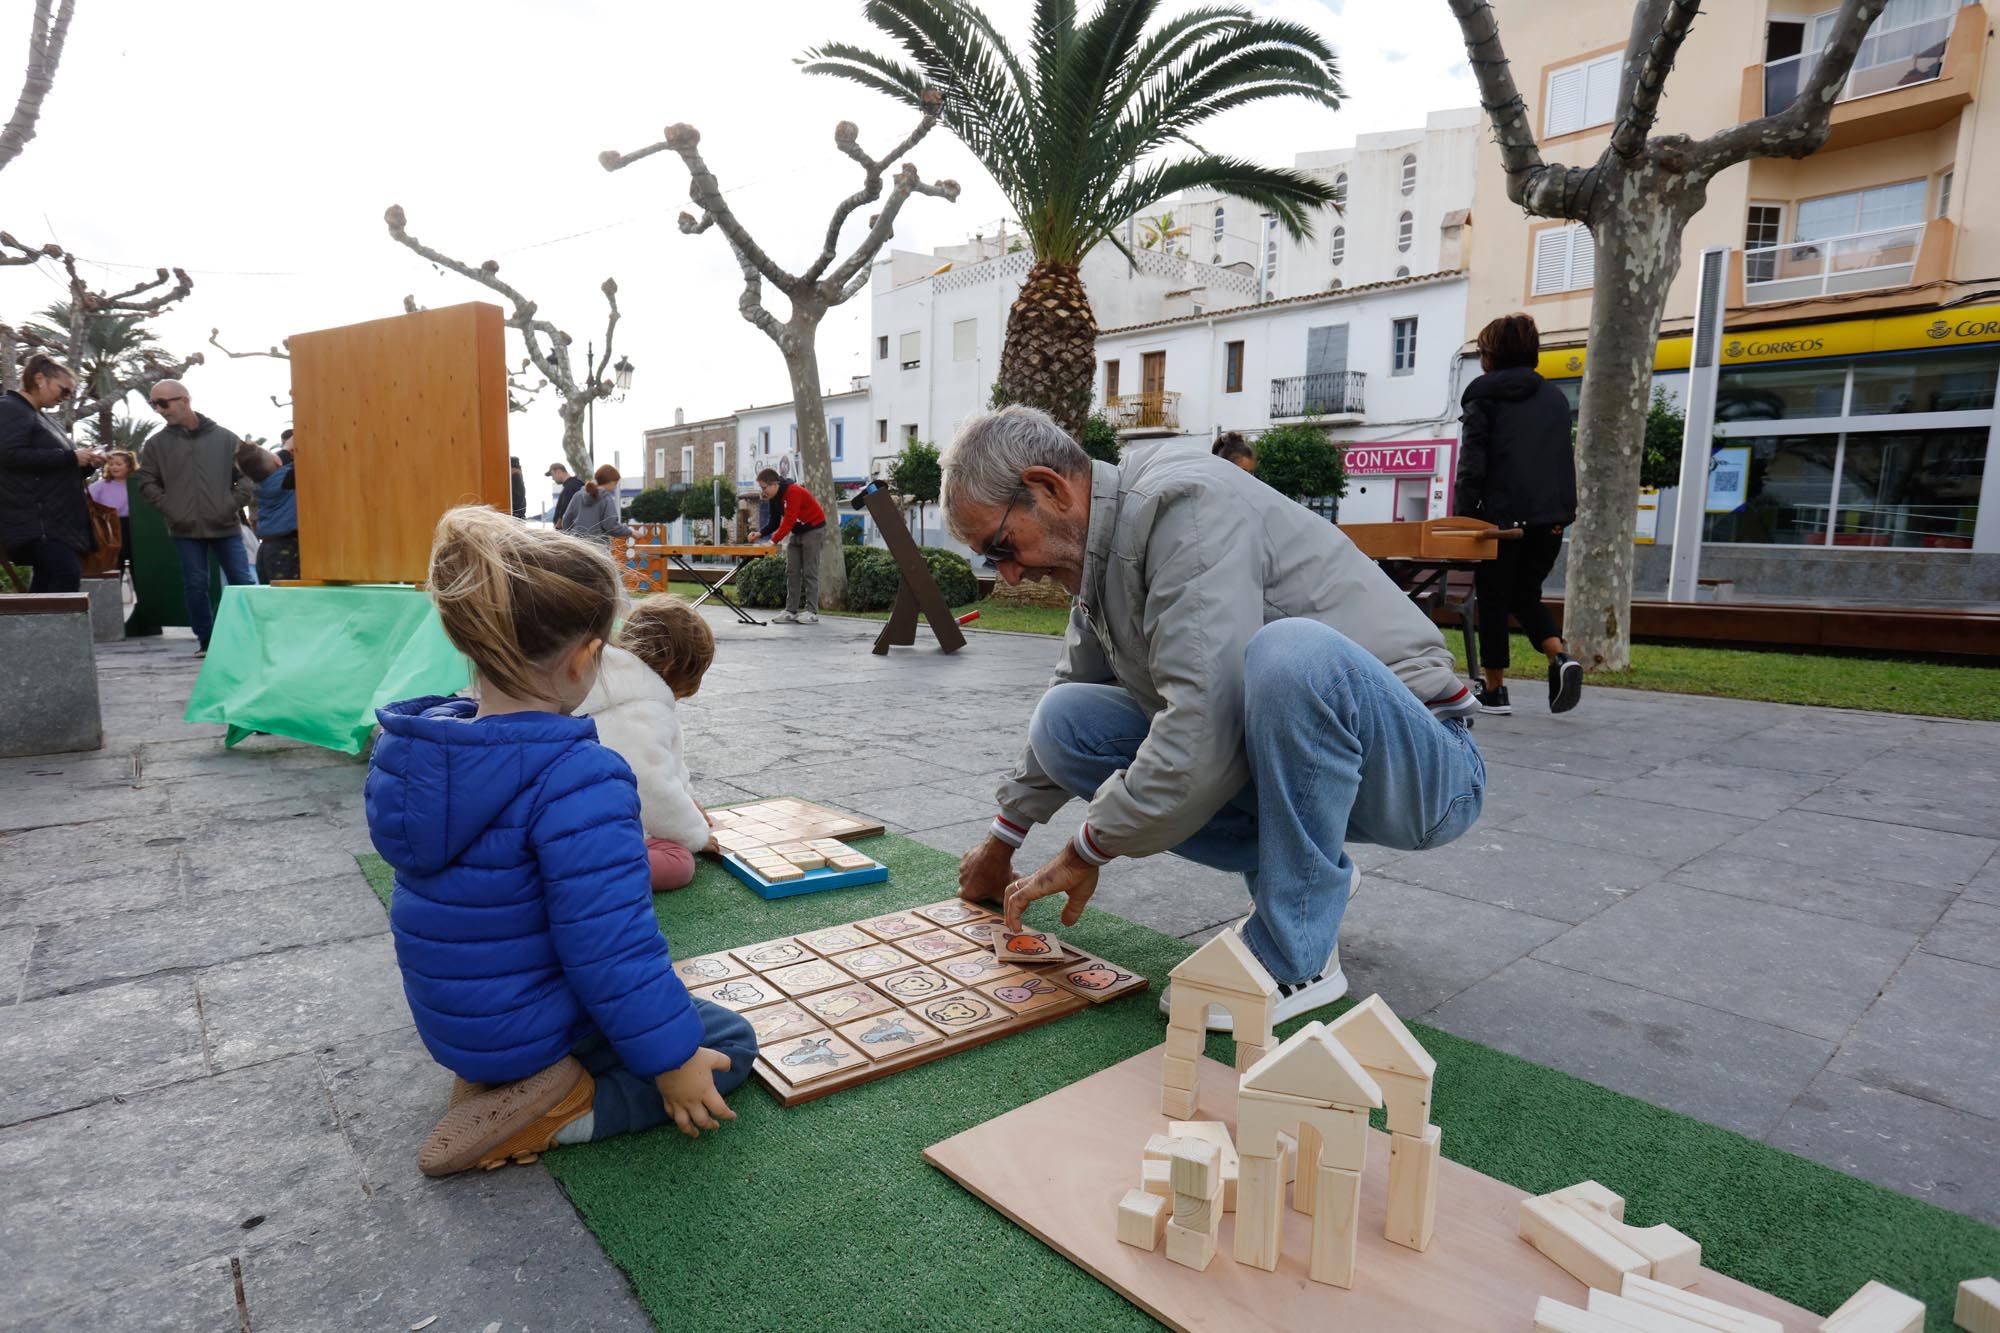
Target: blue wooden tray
pixel 813 881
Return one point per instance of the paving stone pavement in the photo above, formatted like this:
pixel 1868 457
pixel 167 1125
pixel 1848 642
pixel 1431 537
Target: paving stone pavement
pixel 1781 920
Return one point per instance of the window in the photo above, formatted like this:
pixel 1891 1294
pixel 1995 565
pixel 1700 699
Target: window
pixel 1937 382
pixel 1892 488
pixel 1219 216
pixel 1403 346
pixel 1885 206
pixel 1110 380
pixel 792 442
pixel 1270 256
pixel 1340 186
pixel 839 438
pixel 1339 246
pixel 881 430
pixel 687 462
pixel 764 440
pixel 965 340
pixel 659 464
pixel 1402 270
pixel 1232 367
pixel 1774 393
pixel 909 430
pixel 1409 172
pixel 1763 228
pixel 882 348
pixel 1565 260
pixel 1582 95
pixel 910 350
pixel 1406 232
pixel 721 458
pixel 1944 194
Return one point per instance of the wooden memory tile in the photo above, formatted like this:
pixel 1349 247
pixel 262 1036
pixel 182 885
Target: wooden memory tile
pixel 812 1056
pixel 886 1036
pixel 913 985
pixel 895 925
pixel 852 861
pixel 972 968
pixel 954 912
pixel 873 961
pixel 1029 946
pixel 806 858
pixel 708 968
pixel 772 953
pixel 1094 979
pixel 740 993
pixel 1025 993
pixel 935 944
pixel 807 977
pixel 982 933
pixel 961 1011
pixel 845 1003
pixel 776 1021
pixel 835 939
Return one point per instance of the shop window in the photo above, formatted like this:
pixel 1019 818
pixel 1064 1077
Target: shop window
pixel 1932 382
pixel 1774 393
pixel 1909 488
pixel 1787 492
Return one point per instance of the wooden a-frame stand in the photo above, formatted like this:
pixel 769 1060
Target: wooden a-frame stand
pixel 919 591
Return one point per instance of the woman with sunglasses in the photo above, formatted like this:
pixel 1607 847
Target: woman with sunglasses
pixel 44 518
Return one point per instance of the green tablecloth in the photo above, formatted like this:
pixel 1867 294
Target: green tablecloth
pixel 315 663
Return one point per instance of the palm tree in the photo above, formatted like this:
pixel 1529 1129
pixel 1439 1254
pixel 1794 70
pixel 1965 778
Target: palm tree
pixel 1160 233
pixel 114 353
pixel 1073 135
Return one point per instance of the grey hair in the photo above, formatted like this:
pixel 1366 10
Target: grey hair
pixel 984 464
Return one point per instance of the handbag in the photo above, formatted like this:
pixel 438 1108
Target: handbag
pixel 110 536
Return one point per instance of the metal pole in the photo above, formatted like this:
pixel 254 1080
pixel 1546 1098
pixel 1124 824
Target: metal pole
pixel 1697 451
pixel 590 408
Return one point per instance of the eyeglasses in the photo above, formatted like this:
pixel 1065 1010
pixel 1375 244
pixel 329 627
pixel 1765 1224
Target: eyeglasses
pixel 158 403
pixel 997 550
pixel 64 391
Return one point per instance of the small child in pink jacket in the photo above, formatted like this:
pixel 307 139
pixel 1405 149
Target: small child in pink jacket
pixel 658 656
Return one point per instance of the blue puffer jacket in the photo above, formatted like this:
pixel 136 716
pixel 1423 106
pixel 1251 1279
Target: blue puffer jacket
pixel 523 913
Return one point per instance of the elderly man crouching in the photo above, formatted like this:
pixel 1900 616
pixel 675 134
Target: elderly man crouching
pixel 1238 685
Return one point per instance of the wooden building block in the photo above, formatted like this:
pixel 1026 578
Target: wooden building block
pixel 1196 1213
pixel 1877 1309
pixel 1190 1249
pixel 1197 1168
pixel 1708 1314
pixel 1311 1065
pixel 1156 1177
pixel 1575 1244
pixel 1341 1133
pixel 1336 1225
pixel 1225 963
pixel 1251 1015
pixel 1260 1210
pixel 1307 1168
pixel 1288 1153
pixel 1214 1131
pixel 1592 1193
pixel 1142 1219
pixel 1413 1175
pixel 1177 1103
pixel 1184 1043
pixel 1978 1309
pixel 1160 1148
pixel 1249 1054
pixel 1552 1316
pixel 1178 1073
pixel 1375 1037
pixel 1672 1256
pixel 1641 1318
pixel 1408 1100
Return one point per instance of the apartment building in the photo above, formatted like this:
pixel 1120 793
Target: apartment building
pixel 1863 323
pixel 687 450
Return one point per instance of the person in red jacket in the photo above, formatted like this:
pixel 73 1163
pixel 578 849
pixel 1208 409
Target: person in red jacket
pixel 795 514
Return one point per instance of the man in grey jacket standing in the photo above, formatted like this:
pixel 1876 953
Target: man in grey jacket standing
pixel 1238 685
pixel 188 472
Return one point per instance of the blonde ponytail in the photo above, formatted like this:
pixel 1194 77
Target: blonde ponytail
pixel 512 597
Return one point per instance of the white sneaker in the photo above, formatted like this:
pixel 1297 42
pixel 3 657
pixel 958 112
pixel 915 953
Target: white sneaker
pixel 1294 998
pixel 808 618
pixel 784 618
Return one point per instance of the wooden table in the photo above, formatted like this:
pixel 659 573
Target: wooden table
pixel 743 555
pixel 1422 557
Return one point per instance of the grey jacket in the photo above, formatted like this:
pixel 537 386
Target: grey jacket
pixel 595 519
pixel 191 477
pixel 1187 557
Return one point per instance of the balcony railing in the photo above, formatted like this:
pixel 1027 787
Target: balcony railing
pixel 1333 393
pixel 1889 58
pixel 1156 411
pixel 1859 262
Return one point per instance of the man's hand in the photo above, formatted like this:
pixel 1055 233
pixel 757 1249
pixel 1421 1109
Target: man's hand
pixel 1068 873
pixel 985 872
pixel 690 1094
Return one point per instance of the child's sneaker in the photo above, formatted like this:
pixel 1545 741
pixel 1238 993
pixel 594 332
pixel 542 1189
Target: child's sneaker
pixel 1565 683
pixel 1494 701
pixel 460 1089
pixel 514 1122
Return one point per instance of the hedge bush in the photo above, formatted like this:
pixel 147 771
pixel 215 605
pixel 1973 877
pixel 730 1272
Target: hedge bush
pixel 953 574
pixel 872 578
pixel 655 504
pixel 762 582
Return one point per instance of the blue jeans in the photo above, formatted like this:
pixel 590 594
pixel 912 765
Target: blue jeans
pixel 235 562
pixel 626 1103
pixel 1340 751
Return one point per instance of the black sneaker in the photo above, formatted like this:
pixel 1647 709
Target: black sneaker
pixel 1565 683
pixel 1493 701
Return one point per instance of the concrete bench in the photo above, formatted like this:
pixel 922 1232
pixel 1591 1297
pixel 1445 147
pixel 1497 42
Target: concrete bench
pixel 107 608
pixel 50 675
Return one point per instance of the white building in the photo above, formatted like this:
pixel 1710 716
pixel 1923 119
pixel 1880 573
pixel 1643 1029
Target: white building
pixel 1376 364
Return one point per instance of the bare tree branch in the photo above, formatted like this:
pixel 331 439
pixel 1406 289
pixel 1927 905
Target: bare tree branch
pixel 45 48
pixel 702 188
pixel 215 341
pixel 1803 126
pixel 847 138
pixel 1659 27
pixel 19 252
pixel 1555 192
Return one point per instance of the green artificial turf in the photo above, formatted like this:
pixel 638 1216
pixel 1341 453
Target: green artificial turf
pixel 825 1217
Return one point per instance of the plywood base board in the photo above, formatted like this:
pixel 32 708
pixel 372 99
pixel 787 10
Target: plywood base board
pixel 1058 1166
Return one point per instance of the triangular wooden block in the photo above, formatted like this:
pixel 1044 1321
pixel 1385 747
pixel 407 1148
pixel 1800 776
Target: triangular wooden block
pixel 1225 963
pixel 1377 1038
pixel 1309 1064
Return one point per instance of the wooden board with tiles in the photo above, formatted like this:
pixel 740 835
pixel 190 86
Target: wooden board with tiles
pixel 764 823
pixel 852 1003
pixel 782 848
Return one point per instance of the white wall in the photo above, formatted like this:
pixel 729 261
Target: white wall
pixel 779 418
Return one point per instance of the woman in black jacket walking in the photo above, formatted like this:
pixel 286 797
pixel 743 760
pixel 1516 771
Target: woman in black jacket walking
pixel 44 518
pixel 1517 469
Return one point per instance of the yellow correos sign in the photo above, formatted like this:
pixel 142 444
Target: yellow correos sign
pixel 1854 337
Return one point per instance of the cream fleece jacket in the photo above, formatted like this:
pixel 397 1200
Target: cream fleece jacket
pixel 634 713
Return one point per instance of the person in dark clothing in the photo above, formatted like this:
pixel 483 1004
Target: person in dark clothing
pixel 191 470
pixel 520 487
pixel 570 486
pixel 278 518
pixel 1517 469
pixel 44 518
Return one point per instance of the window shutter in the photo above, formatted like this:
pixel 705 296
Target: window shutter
pixel 1565 109
pixel 1600 99
pixel 1551 260
pixel 911 346
pixel 1582 258
pixel 965 340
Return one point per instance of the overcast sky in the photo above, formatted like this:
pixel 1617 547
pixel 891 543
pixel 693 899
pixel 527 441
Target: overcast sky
pixel 256 144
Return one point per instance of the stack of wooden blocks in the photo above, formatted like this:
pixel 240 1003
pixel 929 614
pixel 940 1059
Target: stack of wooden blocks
pixel 1226 974
pixel 1582 1231
pixel 790 860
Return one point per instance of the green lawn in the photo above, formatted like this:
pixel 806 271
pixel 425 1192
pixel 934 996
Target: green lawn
pixel 1885 684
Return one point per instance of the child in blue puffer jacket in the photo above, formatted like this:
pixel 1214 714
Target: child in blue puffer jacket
pixel 523 911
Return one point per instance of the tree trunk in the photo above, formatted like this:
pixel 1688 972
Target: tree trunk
pixel 1638 254
pixel 104 424
pixel 576 450
pixel 815 455
pixel 1049 359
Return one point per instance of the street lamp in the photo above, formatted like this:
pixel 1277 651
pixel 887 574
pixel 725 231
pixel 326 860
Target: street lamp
pixel 622 374
pixel 622 378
